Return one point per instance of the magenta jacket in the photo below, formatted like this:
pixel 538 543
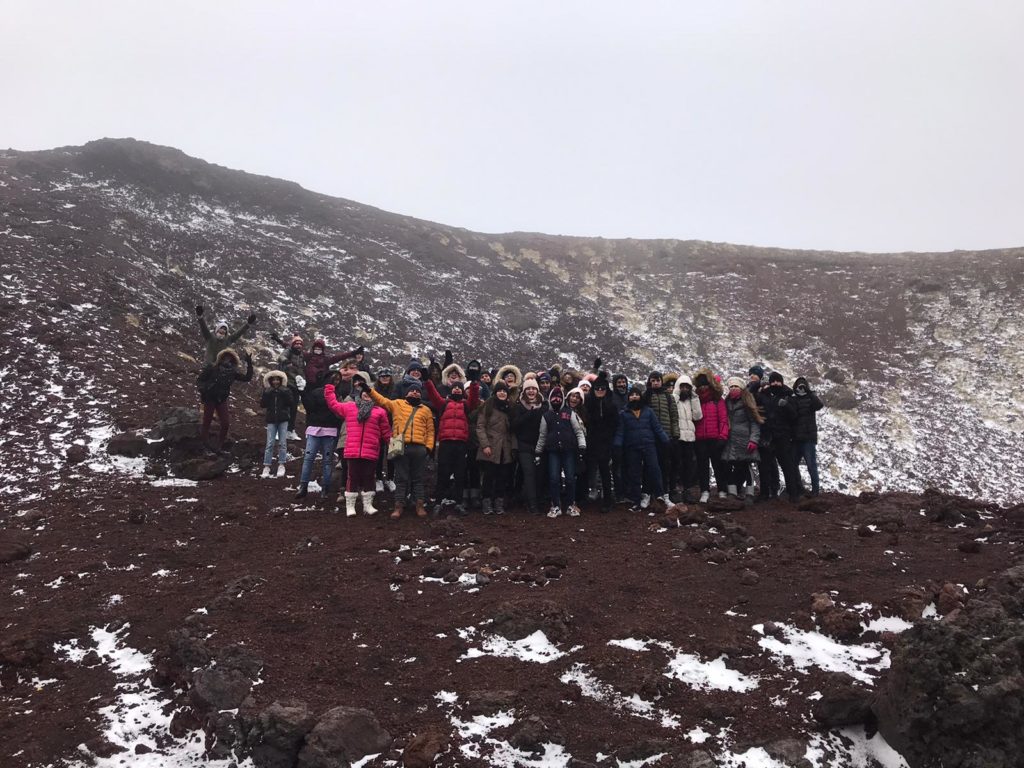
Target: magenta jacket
pixel 715 424
pixel 362 439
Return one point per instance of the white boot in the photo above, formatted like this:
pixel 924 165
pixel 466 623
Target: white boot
pixel 731 490
pixel 350 503
pixel 704 497
pixel 368 507
pixel 266 472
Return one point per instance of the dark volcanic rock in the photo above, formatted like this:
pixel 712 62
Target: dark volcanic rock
pixel 278 733
pixel 76 454
pixel 219 688
pixel 423 749
pixel 516 619
pixel 129 444
pixel 14 545
pixel 955 692
pixel 341 736
pixel 201 468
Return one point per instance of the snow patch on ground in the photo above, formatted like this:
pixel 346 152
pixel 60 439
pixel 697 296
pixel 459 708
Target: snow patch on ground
pixel 536 648
pixel 812 649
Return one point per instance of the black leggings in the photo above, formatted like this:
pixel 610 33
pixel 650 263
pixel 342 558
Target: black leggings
pixel 708 451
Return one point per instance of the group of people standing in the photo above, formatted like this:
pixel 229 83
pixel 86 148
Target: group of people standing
pixel 555 436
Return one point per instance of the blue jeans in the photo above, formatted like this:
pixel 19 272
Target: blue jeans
pixel 559 461
pixel 808 451
pixel 325 447
pixel 276 433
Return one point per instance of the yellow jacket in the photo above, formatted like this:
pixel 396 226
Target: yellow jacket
pixel 420 431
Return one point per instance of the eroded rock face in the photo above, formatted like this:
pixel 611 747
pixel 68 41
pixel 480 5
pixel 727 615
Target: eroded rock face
pixel 955 692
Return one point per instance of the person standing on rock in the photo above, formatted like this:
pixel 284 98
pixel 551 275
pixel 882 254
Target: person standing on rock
pixel 276 401
pixel 711 433
pixel 659 399
pixel 805 430
pixel 222 337
pixel 562 440
pixel 452 437
pixel 321 436
pixel 496 450
pixel 777 403
pixel 744 436
pixel 414 423
pixel 638 435
pixel 214 385
pixel 689 414
pixel 366 429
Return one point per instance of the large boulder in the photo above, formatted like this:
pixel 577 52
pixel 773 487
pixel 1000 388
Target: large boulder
pixel 14 545
pixel 202 468
pixel 179 424
pixel 219 688
pixel 955 692
pixel 342 736
pixel 130 444
pixel 278 733
pixel 516 619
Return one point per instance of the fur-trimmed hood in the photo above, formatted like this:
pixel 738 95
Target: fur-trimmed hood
pixel 518 382
pixel 453 367
pixel 668 380
pixel 271 374
pixel 230 353
pixel 716 385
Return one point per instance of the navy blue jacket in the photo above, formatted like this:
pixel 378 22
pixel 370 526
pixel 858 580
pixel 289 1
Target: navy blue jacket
pixel 639 431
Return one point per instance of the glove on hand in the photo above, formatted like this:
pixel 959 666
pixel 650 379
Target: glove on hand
pixel 252 318
pixel 751 447
pixel 199 310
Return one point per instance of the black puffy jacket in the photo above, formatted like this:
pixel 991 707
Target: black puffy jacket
pixel 805 430
pixel 278 404
pixel 317 412
pixel 215 381
pixel 779 411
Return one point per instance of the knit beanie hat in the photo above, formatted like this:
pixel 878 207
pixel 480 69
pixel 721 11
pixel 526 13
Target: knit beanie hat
pixel 530 384
pixel 414 385
pixel 319 343
pixel 414 365
pixel 544 376
pixel 499 386
pixel 756 370
pixel 636 389
pixel 775 376
pixel 735 381
pixel 556 394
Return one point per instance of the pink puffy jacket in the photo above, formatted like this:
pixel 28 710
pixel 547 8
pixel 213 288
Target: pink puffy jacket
pixel 362 439
pixel 715 424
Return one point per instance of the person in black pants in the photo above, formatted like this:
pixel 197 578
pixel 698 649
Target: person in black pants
pixel 602 421
pixel 780 414
pixel 526 416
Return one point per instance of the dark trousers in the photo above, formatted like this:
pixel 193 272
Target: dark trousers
pixel 451 470
pixel 738 474
pixel 495 479
pixel 360 475
pixel 808 451
pixel 686 464
pixel 385 466
pixel 528 470
pixel 708 452
pixel 618 476
pixel 599 465
pixel 293 411
pixel 559 462
pixel 221 409
pixel 642 470
pixel 665 466
pixel 768 469
pixel 410 470
pixel 785 455
pixel 472 468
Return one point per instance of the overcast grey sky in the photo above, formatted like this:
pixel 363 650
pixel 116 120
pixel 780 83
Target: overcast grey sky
pixel 890 125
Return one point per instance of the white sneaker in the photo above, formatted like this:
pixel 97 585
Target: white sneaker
pixel 704 497
pixel 731 490
pixel 554 512
pixel 280 470
pixel 594 494
pixel 667 499
pixel 380 486
pixel 266 472
pixel 293 435
pixel 723 495
pixel 390 485
pixel 573 511
pixel 645 500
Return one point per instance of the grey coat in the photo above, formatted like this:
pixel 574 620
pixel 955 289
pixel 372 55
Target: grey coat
pixel 742 430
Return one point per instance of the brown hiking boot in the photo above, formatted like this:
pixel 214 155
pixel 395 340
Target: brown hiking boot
pixel 398 511
pixel 421 509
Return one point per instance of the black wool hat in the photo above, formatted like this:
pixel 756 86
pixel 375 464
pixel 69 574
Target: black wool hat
pixel 776 376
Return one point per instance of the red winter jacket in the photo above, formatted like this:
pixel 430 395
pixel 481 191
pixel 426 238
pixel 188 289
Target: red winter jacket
pixel 362 438
pixel 454 421
pixel 715 424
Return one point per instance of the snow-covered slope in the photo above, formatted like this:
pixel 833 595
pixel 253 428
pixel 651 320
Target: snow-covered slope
pixel 106 248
